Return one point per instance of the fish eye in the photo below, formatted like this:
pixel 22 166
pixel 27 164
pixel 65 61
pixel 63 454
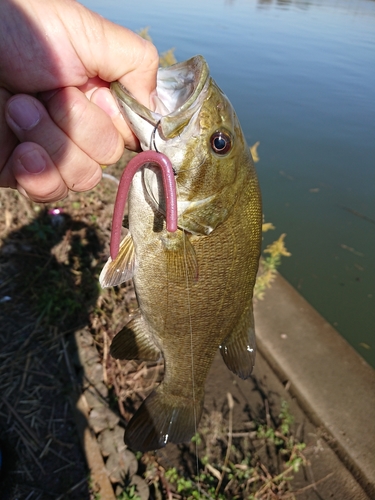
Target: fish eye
pixel 221 142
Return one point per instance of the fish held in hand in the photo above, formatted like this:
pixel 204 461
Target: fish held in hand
pixel 195 285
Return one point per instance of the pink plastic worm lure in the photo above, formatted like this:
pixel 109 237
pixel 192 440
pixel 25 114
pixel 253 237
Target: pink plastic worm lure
pixel 123 190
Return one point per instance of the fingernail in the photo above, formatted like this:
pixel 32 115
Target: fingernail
pixel 24 113
pixel 33 162
pixel 111 107
pixel 22 191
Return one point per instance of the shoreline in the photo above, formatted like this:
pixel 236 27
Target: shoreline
pixel 332 383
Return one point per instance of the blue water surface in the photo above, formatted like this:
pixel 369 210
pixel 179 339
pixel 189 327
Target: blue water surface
pixel 301 76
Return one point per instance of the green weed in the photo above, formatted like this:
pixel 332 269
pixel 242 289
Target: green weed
pixel 129 493
pixel 236 468
pixel 269 263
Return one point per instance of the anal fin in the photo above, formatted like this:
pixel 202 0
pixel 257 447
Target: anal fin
pixel 238 349
pixel 135 342
pixel 162 418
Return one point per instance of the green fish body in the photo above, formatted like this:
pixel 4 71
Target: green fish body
pixel 194 286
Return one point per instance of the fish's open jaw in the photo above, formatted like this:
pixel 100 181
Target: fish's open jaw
pixel 178 90
pixel 179 85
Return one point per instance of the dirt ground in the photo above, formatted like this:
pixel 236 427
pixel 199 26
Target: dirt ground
pixel 50 260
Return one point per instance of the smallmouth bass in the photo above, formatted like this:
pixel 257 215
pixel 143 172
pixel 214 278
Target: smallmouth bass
pixel 194 286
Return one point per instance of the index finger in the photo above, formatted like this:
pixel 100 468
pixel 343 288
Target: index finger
pixel 117 53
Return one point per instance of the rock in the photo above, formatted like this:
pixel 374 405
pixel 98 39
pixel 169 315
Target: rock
pixel 143 491
pixel 94 374
pixel 102 418
pixel 102 389
pixel 112 441
pixel 121 465
pixel 88 355
pixel 84 338
pixel 94 400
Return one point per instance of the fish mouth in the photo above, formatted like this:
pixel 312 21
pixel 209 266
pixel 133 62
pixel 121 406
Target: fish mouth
pixel 179 96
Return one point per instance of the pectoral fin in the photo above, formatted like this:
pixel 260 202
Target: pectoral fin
pixel 182 264
pixel 121 269
pixel 135 342
pixel 162 418
pixel 201 217
pixel 238 349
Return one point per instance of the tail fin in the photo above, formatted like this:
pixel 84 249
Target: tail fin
pixel 162 418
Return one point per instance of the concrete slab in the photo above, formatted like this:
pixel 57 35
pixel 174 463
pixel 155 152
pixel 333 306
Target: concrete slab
pixel 332 383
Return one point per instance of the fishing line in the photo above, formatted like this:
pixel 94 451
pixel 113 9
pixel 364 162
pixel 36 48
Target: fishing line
pixel 164 459
pixel 194 169
pixel 192 360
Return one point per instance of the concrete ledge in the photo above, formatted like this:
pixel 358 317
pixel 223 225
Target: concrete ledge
pixel 332 383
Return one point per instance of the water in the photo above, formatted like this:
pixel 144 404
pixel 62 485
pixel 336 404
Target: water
pixel 301 76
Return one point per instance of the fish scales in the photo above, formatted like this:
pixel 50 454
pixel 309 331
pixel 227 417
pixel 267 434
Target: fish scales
pixel 195 286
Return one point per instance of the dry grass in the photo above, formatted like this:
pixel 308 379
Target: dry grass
pixel 48 288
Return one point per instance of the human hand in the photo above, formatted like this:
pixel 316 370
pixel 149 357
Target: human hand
pixel 58 119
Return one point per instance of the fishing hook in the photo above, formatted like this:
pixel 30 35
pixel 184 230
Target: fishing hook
pixel 153 143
